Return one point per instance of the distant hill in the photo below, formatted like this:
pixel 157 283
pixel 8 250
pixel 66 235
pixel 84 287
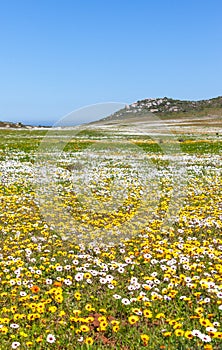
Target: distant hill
pixel 10 125
pixel 168 108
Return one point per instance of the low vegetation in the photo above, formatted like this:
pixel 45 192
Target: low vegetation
pixel 138 262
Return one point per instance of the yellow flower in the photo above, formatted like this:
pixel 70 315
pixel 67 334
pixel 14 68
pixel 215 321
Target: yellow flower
pixel 39 339
pixel 177 326
pixel 101 310
pixel 89 341
pixel 102 319
pixel 76 312
pixel 77 296
pixel 205 322
pixel 179 332
pixel 88 307
pixel 188 335
pixel 208 347
pixel 59 299
pixel 52 309
pixel 23 334
pixel 87 275
pixel 167 334
pixel 147 313
pixel 115 328
pixel 217 335
pixel 29 343
pixel 199 310
pixel 4 330
pixel 144 337
pixel 84 328
pixel 133 319
pixel 62 313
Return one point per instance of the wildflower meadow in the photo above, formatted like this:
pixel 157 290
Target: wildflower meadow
pixel 108 246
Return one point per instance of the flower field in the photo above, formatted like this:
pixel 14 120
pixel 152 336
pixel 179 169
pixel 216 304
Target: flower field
pixel 105 254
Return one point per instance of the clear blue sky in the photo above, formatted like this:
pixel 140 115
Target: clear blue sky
pixel 59 55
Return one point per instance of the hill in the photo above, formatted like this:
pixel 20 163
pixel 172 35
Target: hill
pixel 167 108
pixel 156 115
pixel 10 125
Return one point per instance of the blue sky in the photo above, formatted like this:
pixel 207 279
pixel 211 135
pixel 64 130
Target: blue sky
pixel 59 55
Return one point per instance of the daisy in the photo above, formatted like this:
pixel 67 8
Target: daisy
pixel 196 333
pixel 50 338
pixel 14 325
pixel 79 276
pixel 125 301
pixel 205 338
pixel 116 296
pixel 48 281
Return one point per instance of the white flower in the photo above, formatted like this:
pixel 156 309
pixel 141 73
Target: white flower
pixel 154 261
pixel 133 300
pixel 79 276
pixel 67 282
pixel 147 256
pixel 103 280
pixel 139 313
pixel 134 280
pixel 121 270
pixel 109 278
pixel 116 296
pixel 23 294
pixel 154 274
pixel 110 286
pixel 211 329
pixel 205 338
pixel 207 300
pixel 48 281
pixel 130 287
pixel 59 268
pixel 14 325
pixel 15 344
pixel 80 339
pixel 50 338
pixel 75 262
pixel 125 301
pixel 93 272
pixel 188 279
pixel 196 333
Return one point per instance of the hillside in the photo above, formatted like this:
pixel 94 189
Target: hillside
pixel 169 108
pixel 164 115
pixel 10 125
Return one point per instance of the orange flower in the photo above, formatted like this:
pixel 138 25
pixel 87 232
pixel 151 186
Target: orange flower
pixel 35 289
pixel 57 284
